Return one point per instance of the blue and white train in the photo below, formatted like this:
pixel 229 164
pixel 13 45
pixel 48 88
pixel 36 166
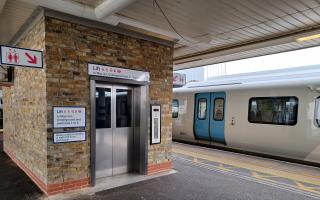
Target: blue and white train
pixel 273 113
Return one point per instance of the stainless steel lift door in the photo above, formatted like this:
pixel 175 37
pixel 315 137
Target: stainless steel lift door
pixel 114 132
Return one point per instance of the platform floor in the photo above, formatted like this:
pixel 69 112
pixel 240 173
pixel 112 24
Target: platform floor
pixel 14 183
pixel 207 174
pixel 296 178
pixel 202 174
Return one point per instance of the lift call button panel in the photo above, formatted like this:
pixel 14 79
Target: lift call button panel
pixel 155 124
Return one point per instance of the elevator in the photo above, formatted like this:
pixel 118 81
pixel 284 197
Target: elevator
pixel 119 132
pixel 114 130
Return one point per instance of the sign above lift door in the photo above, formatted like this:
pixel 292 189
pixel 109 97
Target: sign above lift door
pixel 21 57
pixel 116 72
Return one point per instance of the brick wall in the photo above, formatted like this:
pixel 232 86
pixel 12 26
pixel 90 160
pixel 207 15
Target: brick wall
pixel 64 81
pixel 70 47
pixel 25 125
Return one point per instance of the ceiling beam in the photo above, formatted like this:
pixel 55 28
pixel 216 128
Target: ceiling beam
pixel 210 56
pixel 110 7
pixel 87 12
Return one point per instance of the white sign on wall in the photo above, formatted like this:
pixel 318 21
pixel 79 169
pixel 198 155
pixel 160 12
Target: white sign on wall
pixel 68 117
pixel 64 137
pixel 21 57
pixel 115 72
pixel 179 79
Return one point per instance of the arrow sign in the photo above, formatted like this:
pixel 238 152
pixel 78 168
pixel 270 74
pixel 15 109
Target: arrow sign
pixel 32 60
pixel 21 57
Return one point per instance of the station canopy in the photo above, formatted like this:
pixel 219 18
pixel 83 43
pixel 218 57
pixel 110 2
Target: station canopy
pixel 203 31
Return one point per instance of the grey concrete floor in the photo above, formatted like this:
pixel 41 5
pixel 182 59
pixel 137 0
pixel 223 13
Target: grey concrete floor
pixel 191 182
pixel 14 183
pixel 196 183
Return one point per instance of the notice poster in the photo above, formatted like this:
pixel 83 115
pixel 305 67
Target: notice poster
pixel 64 137
pixel 69 117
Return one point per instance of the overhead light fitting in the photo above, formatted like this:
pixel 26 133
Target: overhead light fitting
pixel 307 38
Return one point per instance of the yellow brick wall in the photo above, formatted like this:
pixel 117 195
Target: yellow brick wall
pixel 70 47
pixel 25 124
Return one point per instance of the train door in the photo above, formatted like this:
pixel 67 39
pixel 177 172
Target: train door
pixel 201 116
pixel 209 116
pixel 114 132
pixel 217 116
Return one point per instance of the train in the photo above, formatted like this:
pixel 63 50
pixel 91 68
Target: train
pixel 274 113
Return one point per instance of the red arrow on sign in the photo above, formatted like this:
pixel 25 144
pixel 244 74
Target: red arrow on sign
pixel 32 60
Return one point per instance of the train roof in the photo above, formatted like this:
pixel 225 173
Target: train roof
pixel 299 76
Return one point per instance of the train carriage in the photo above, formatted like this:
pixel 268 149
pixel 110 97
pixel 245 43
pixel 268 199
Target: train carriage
pixel 275 113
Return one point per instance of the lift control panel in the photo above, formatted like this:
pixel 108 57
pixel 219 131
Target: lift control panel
pixel 155 124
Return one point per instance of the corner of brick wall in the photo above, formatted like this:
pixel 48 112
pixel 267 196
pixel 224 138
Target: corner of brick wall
pixel 25 113
pixel 68 48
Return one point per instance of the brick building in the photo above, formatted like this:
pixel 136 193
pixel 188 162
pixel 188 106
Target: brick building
pixel 117 109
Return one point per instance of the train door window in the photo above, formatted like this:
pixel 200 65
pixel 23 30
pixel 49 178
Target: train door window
pixel 273 110
pixel 317 112
pixel 175 108
pixel 218 113
pixel 202 108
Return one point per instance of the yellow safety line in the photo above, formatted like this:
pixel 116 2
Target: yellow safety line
pixel 306 188
pixel 257 176
pixel 222 167
pixel 262 176
pixel 312 176
pixel 256 164
pixel 252 167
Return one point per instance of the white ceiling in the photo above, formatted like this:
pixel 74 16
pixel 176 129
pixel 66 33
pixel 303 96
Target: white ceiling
pixel 212 31
pixel 12 18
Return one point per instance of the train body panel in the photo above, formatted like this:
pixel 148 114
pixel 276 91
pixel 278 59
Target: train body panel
pixel 299 140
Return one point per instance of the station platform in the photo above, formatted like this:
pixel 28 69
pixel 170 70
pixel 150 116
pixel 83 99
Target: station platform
pixel 204 173
pixel 297 178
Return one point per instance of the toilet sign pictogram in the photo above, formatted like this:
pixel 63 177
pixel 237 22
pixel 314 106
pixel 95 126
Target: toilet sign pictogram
pixel 21 57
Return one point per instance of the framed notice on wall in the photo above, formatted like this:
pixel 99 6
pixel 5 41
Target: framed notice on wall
pixel 69 117
pixel 155 124
pixel 65 137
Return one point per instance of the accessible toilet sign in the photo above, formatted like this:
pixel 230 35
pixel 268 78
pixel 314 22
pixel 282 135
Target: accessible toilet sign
pixel 21 57
pixel 69 117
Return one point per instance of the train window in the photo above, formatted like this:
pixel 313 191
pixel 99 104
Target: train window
pixel 317 112
pixel 273 110
pixel 202 108
pixel 175 108
pixel 218 109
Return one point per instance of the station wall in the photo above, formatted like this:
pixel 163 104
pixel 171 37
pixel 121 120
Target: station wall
pixel 64 81
pixel 25 125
